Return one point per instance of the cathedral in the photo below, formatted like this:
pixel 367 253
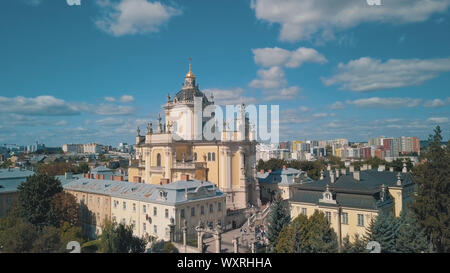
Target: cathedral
pixel 175 151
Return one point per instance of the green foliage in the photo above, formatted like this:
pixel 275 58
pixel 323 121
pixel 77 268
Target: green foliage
pixel 308 235
pixel 35 198
pixel 119 238
pixel 163 247
pixel 65 208
pixel 81 168
pixel 357 246
pixel 384 231
pixel 397 164
pixel 278 218
pixel 6 164
pixel 91 247
pixel 311 167
pixel 432 202
pixel 16 235
pixel 410 237
pixel 70 233
pixel 48 241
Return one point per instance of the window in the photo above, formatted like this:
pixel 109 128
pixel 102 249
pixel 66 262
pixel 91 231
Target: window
pixel 106 202
pixel 158 160
pixel 167 231
pixel 115 204
pixel 328 214
pixel 360 220
pixel 134 224
pixel 304 211
pixel 134 206
pixel 155 229
pixel 124 205
pixel 202 210
pixel 211 208
pixel 155 211
pixel 98 201
pixel 192 211
pixel 219 206
pixel 167 213
pixel 144 208
pixel 144 226
pixel 213 156
pixel 182 213
pixel 195 156
pixel 114 218
pixel 123 221
pixel 344 218
pixel 209 156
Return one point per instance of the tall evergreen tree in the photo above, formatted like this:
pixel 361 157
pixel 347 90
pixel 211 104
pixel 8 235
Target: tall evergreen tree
pixel 278 218
pixel 383 230
pixel 119 238
pixel 308 235
pixel 432 201
pixel 410 236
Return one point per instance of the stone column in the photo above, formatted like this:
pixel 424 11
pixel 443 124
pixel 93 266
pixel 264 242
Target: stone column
pixel 253 247
pixel 184 229
pixel 228 168
pixel 167 166
pixel 200 231
pixel 218 240
pixel 236 245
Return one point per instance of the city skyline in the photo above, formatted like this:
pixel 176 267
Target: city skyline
pixel 94 72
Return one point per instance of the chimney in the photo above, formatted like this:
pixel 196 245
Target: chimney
pixel 262 171
pixel 97 176
pixel 352 168
pixel 102 177
pixel 381 168
pixel 321 174
pixel 164 181
pixel 332 177
pixel 391 169
pixel 68 175
pixel 91 176
pixel 364 167
pixel 284 167
pixel 185 177
pixel 344 171
pixel 328 167
pixel 369 167
pixel 404 170
pixel 356 176
pixel 337 173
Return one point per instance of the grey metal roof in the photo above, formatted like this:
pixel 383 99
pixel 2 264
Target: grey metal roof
pixel 188 94
pixel 174 193
pixel 10 179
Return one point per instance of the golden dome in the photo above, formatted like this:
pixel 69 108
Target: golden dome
pixel 190 74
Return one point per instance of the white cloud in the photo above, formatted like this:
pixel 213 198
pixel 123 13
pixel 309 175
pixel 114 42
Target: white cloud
pixel 299 20
pixel 337 105
pixel 437 102
pixel 134 16
pixel 230 96
pixel 110 99
pixel 438 119
pixel 116 110
pixel 368 74
pixel 272 78
pixel 288 93
pixel 385 102
pixel 39 106
pixel 110 122
pixel 127 98
pixel 281 57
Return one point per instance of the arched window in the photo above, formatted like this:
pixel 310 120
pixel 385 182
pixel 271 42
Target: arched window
pixel 209 156
pixel 195 156
pixel 213 156
pixel 158 160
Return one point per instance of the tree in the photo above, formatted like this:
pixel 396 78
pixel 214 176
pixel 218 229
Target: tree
pixel 278 218
pixel 35 198
pixel 383 230
pixel 48 241
pixel 410 236
pixel 70 233
pixel 358 245
pixel 308 235
pixel 16 235
pixel 163 247
pixel 81 168
pixel 119 238
pixel 432 202
pixel 65 208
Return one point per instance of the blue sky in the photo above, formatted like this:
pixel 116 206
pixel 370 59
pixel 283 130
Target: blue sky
pixel 96 71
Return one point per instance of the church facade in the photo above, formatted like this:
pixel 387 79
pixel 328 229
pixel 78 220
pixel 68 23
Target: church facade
pixel 177 149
